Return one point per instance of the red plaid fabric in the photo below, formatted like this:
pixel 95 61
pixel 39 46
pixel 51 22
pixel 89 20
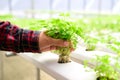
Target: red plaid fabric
pixel 15 39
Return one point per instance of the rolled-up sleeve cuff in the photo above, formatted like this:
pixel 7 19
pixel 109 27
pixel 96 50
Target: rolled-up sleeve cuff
pixel 29 41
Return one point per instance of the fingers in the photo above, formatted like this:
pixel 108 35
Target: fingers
pixel 55 42
pixel 61 43
pixel 53 48
pixel 47 43
pixel 49 48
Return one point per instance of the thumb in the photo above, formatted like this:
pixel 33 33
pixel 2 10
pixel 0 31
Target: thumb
pixel 61 43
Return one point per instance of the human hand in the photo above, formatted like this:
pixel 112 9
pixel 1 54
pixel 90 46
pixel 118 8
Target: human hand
pixel 47 43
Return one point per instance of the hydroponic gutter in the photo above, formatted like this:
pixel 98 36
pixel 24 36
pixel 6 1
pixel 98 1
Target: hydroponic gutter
pixel 80 56
pixel 67 71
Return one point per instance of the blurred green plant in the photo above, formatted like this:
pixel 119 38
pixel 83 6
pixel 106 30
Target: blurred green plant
pixel 102 28
pixel 104 68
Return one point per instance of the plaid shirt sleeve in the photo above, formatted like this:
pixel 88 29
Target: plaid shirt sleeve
pixel 15 39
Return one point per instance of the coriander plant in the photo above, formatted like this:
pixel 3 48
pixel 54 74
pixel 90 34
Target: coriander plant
pixel 90 43
pixel 104 69
pixel 65 29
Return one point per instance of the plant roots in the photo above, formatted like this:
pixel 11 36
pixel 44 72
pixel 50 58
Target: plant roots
pixel 64 59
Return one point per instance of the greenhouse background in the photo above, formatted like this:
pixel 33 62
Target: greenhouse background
pixel 34 7
pixel 97 20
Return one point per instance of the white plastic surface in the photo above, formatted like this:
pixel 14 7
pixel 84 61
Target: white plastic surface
pixel 66 71
pixel 79 55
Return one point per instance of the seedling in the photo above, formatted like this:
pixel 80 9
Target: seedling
pixel 104 69
pixel 62 28
pixel 90 43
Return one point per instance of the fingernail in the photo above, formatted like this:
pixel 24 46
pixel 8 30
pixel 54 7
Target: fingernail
pixel 66 43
